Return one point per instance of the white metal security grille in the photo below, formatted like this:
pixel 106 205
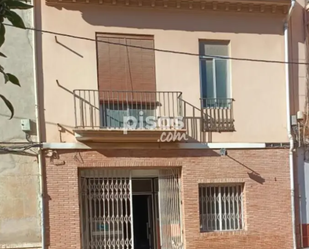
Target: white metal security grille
pixel 106 209
pixel 221 207
pixel 170 209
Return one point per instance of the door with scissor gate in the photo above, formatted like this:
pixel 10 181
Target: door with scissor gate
pixel 170 209
pixel 106 209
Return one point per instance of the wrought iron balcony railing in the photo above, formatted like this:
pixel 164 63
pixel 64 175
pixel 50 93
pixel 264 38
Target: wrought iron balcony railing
pixel 141 110
pixel 217 114
pixel 127 109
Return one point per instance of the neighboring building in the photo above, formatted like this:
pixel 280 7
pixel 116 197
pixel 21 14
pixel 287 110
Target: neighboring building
pixel 299 25
pixel 19 171
pixel 228 185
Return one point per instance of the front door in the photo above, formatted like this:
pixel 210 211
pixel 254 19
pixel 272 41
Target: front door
pixel 121 212
pixel 142 222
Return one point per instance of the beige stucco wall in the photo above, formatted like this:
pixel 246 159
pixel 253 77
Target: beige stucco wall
pixel 19 178
pixel 258 88
pixel 298 53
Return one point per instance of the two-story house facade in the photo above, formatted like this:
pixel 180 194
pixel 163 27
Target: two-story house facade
pixel 165 124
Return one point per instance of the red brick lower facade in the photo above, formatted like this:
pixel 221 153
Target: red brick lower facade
pixel 264 172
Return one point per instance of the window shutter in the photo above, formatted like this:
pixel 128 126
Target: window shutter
pixel 112 64
pixel 125 63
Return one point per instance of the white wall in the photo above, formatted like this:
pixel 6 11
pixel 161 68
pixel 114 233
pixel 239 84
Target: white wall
pixel 19 208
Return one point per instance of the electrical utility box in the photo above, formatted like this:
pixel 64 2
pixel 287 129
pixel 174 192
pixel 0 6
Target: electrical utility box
pixel 25 125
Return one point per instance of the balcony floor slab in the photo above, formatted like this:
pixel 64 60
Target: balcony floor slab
pixel 121 135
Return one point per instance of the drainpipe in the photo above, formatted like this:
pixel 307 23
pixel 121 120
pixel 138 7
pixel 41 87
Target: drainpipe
pixel 38 127
pixel 288 117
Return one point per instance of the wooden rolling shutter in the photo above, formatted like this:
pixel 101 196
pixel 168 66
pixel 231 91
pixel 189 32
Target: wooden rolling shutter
pixel 125 68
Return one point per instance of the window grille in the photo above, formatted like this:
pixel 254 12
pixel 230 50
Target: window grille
pixel 221 207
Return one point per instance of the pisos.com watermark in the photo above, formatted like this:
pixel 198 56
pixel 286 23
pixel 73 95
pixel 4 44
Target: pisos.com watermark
pixel 156 123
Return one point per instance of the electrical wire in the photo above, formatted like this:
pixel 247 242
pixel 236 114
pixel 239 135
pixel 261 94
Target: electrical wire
pixel 163 50
pixel 20 149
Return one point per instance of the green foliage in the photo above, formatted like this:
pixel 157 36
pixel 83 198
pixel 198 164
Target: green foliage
pixel 7 13
pixel 8 104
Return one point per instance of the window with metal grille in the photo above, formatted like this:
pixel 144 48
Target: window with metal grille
pixel 221 207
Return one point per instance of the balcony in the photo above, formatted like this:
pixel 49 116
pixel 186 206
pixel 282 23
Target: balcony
pixel 217 114
pixel 140 116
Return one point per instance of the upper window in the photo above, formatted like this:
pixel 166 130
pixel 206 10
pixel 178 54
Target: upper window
pixel 221 207
pixel 125 62
pixel 126 78
pixel 214 73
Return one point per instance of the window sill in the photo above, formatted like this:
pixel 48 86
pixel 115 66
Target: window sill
pixel 223 233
